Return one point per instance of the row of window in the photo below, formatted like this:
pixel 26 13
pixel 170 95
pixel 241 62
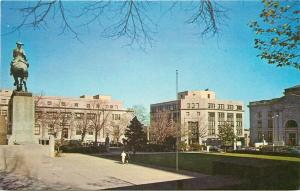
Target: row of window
pixel 88 106
pixel 270 115
pixel 222 106
pixel 90 131
pixel 212 131
pixel 68 115
pixel 168 107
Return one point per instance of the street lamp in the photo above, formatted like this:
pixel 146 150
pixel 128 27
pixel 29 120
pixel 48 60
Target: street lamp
pixel 275 116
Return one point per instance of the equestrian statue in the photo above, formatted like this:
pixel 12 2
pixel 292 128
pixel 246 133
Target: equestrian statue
pixel 19 67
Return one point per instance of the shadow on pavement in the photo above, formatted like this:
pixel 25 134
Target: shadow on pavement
pixel 203 183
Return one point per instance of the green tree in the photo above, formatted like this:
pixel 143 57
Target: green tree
pixel 278 33
pixel 226 134
pixel 135 136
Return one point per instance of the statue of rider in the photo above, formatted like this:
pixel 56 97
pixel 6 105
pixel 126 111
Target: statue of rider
pixel 18 56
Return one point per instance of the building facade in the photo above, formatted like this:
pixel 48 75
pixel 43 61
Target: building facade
pixel 277 120
pixel 199 114
pixel 69 118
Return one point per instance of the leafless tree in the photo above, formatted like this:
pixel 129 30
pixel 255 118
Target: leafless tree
pixel 162 126
pixel 119 126
pixel 130 19
pixel 99 117
pixel 199 130
pixel 82 124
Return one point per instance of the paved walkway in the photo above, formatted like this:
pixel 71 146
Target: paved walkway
pixel 76 171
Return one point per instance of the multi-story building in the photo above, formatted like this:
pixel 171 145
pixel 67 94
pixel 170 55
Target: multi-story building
pixel 199 114
pixel 69 117
pixel 277 120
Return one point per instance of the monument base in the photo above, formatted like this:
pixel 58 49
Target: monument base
pixel 22 118
pixel 3 130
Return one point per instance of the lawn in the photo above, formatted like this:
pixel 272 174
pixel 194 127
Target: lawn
pixel 260 171
pixel 281 158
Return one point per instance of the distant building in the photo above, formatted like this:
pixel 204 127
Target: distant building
pixel 199 114
pixel 277 120
pixel 67 117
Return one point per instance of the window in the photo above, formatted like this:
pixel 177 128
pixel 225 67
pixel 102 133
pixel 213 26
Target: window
pixel 230 119
pixel 211 123
pixel 88 106
pixel 78 131
pixel 116 116
pixel 50 129
pixel 187 113
pixel 211 105
pixel 239 120
pixel 208 96
pixel 239 107
pixel 239 131
pixel 259 136
pixel 259 115
pixel 90 131
pixel 111 106
pixel 4 112
pixel 75 104
pixel 49 102
pixel 51 114
pixel 98 105
pixel 193 106
pixel 291 124
pixel 259 124
pixel 198 113
pixel 197 105
pixel 230 107
pixel 63 103
pixel 37 129
pixel 79 115
pixel 220 106
pixel 188 105
pixel 221 115
pixel 270 136
pixel 193 129
pixel 65 133
pixel 3 100
pixel 90 115
pixel 38 115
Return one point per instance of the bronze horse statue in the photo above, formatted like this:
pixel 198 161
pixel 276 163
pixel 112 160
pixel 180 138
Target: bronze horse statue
pixel 19 67
pixel 20 73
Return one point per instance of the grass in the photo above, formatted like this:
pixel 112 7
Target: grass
pixel 260 171
pixel 280 158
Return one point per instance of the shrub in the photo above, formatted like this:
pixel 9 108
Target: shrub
pixel 196 147
pixel 80 149
pixel 183 146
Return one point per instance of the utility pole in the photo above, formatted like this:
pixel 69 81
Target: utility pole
pixel 177 116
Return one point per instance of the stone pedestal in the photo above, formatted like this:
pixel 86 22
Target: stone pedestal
pixel 22 118
pixel 3 130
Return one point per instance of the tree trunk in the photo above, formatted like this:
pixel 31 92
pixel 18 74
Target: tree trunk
pixel 96 136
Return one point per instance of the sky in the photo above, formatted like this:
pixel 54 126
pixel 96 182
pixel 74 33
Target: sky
pixel 227 64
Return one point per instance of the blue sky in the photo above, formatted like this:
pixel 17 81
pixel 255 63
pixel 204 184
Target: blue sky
pixel 227 64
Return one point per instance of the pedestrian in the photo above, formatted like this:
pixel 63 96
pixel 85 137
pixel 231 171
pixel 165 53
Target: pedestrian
pixel 127 157
pixel 123 155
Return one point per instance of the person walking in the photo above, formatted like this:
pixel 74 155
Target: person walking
pixel 127 157
pixel 123 155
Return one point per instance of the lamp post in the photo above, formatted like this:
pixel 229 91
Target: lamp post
pixel 275 116
pixel 177 116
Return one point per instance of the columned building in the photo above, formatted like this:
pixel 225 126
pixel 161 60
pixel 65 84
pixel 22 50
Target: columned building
pixel 71 117
pixel 277 120
pixel 199 114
